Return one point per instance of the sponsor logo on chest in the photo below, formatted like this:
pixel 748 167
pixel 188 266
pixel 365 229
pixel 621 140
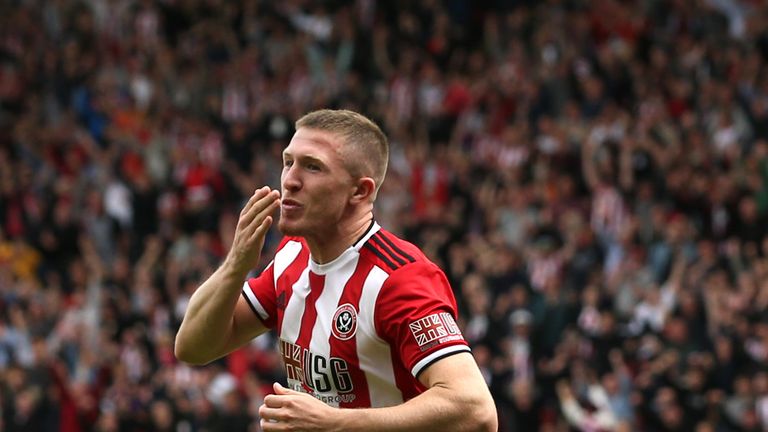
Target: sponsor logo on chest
pixel 314 373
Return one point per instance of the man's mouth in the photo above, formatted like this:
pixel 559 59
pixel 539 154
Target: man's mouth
pixel 289 204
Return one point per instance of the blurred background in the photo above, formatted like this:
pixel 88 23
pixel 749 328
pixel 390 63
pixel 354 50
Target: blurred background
pixel 592 176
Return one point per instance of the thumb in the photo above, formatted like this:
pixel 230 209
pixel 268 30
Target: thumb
pixel 280 390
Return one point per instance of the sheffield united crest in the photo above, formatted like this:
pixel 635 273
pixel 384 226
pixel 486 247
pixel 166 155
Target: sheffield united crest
pixel 344 322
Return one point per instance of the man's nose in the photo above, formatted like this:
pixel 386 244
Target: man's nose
pixel 291 180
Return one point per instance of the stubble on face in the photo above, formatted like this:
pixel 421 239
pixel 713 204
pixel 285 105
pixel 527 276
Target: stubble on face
pixel 318 193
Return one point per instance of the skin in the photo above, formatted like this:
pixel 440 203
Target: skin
pixel 330 208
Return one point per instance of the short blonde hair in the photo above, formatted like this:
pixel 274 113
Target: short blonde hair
pixel 365 151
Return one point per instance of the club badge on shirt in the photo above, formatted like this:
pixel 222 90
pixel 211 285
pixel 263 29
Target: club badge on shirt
pixel 344 322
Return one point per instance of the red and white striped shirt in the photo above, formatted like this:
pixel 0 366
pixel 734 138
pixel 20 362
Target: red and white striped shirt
pixel 357 331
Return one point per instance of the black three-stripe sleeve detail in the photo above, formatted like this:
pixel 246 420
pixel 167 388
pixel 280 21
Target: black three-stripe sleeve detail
pixel 378 253
pixel 388 251
pixel 395 248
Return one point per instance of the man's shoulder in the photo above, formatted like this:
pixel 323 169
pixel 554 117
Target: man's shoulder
pixel 392 253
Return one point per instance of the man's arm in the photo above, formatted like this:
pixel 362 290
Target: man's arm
pixel 457 399
pixel 218 319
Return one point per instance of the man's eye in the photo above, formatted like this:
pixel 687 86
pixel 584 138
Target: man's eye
pixel 287 163
pixel 313 167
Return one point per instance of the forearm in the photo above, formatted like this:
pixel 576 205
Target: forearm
pixel 438 408
pixel 573 413
pixel 208 321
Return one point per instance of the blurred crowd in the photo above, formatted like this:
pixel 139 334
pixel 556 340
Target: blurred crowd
pixel 592 175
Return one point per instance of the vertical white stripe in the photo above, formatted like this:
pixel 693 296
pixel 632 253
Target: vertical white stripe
pixel 285 257
pixel 373 353
pixel 326 306
pixel 295 308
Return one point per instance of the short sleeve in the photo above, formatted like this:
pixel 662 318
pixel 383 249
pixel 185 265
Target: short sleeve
pixel 416 314
pixel 259 293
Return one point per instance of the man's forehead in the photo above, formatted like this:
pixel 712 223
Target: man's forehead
pixel 322 138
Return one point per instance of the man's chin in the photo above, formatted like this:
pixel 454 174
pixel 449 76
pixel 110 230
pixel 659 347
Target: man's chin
pixel 288 229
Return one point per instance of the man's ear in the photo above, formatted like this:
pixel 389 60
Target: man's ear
pixel 364 191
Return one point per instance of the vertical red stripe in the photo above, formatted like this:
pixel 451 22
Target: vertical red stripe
pixel 316 285
pixel 405 382
pixel 285 283
pixel 348 349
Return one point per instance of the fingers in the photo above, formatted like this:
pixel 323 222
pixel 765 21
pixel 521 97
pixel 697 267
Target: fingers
pixel 273 425
pixel 262 228
pixel 274 417
pixel 279 389
pixel 257 195
pixel 259 206
pixel 273 401
pixel 272 414
pixel 252 226
pixel 291 410
pixel 260 200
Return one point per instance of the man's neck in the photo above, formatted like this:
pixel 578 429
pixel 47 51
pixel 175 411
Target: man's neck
pixel 329 247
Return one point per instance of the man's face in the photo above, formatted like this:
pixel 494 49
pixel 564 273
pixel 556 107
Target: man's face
pixel 315 184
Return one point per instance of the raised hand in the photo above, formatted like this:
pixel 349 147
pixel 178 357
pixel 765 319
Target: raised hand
pixel 252 226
